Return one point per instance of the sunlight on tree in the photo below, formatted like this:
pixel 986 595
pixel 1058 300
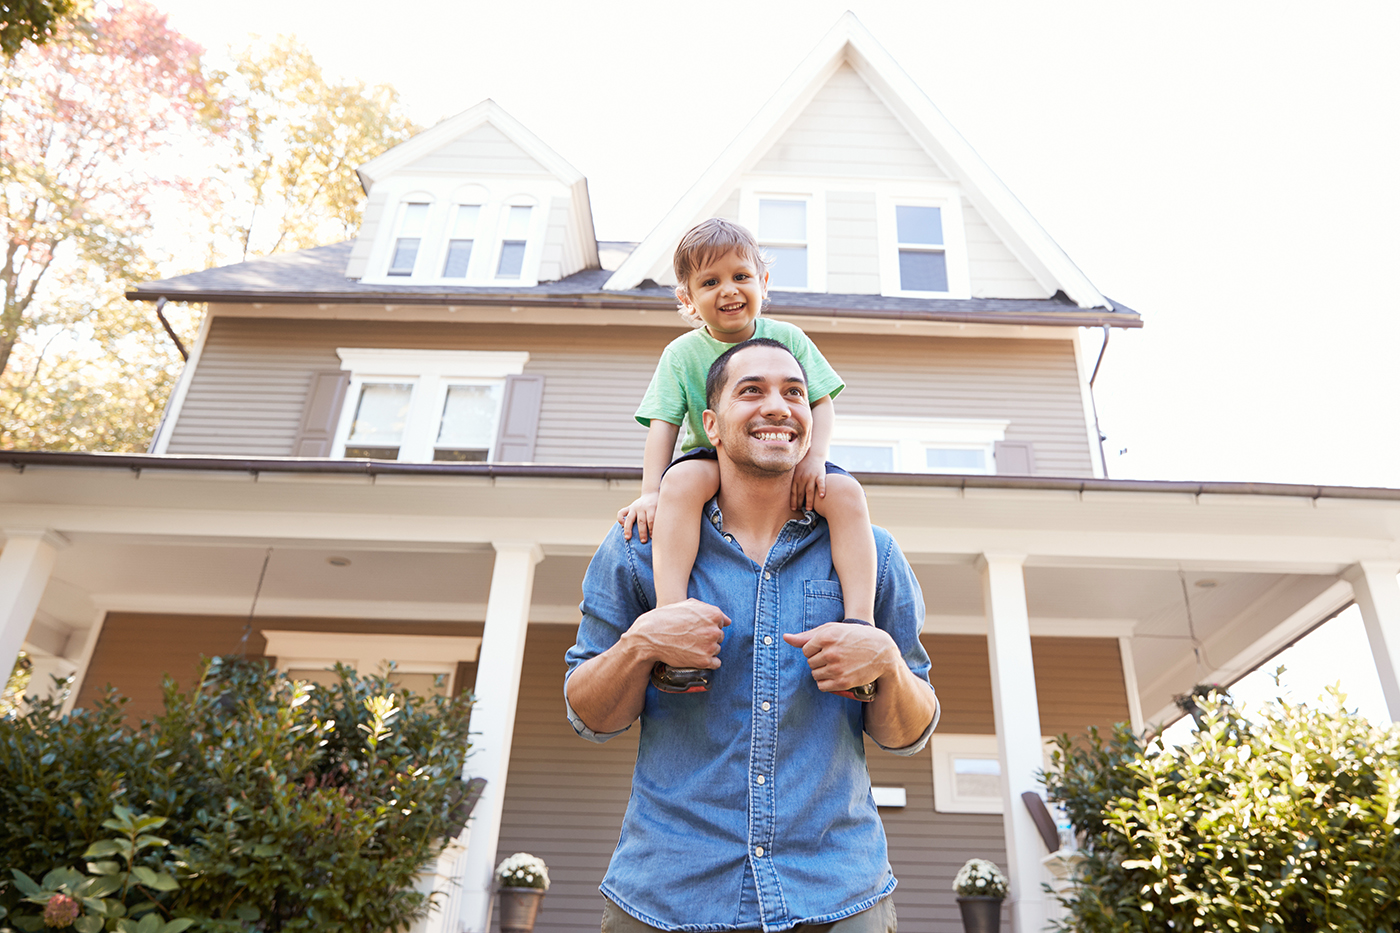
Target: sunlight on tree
pixel 33 21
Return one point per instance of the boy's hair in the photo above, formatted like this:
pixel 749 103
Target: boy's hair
pixel 702 243
pixel 719 369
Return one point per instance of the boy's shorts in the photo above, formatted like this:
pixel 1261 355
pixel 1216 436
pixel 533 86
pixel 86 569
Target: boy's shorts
pixel 708 453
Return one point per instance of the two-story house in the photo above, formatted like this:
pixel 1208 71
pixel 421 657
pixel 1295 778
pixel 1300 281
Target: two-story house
pixel 406 447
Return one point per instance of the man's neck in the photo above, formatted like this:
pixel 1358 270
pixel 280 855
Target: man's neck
pixel 755 508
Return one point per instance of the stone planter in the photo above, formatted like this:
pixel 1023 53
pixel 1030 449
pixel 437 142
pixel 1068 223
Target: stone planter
pixel 980 914
pixel 519 906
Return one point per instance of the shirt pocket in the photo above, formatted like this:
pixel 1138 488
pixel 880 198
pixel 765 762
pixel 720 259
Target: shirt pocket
pixel 822 602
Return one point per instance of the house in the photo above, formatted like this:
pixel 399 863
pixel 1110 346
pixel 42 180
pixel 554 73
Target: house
pixel 406 447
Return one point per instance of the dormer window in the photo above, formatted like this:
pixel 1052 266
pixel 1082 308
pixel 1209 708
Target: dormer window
pixel 413 218
pixel 461 237
pixel 923 267
pixel 517 233
pixel 782 235
pixel 922 243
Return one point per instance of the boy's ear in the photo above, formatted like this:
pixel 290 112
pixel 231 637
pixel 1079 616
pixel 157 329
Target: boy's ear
pixel 683 295
pixel 711 425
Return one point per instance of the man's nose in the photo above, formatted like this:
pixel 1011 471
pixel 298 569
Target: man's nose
pixel 775 404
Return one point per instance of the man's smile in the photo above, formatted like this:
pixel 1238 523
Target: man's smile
pixel 775 433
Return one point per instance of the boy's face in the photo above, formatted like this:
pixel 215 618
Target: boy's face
pixel 726 292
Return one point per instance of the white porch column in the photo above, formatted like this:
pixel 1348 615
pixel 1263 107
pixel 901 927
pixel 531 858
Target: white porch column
pixel 25 565
pixel 493 718
pixel 1017 716
pixel 1378 596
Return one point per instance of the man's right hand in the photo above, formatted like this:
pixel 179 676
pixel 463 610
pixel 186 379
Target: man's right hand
pixel 642 513
pixel 684 634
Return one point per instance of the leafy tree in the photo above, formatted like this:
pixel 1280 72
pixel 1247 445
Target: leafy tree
pixel 30 21
pixel 1284 822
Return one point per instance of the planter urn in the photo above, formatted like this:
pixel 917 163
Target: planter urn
pixel 980 914
pixel 519 906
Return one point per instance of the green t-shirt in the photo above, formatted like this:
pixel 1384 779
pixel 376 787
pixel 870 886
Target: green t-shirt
pixel 677 390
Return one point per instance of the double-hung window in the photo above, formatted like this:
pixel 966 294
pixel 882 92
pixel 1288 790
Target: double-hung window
pixel 783 237
pixel 413 220
pixel 421 405
pixel 916 445
pixel 923 263
pixel 461 238
pixel 516 235
pixel 922 244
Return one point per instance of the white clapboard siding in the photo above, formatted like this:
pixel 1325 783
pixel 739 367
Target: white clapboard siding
pixel 484 149
pixel 847 130
pixel 554 263
pixel 375 206
pixel 994 270
pixel 852 246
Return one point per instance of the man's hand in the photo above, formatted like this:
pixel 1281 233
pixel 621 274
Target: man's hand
pixel 642 512
pixel 843 656
pixel 684 634
pixel 808 483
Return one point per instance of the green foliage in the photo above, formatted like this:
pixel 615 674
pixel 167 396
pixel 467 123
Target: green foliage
pixel 12 692
pixel 31 21
pixel 1283 822
pixel 289 806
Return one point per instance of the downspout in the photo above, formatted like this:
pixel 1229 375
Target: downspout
pixel 1103 460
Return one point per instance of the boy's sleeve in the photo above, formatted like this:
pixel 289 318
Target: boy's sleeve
pixel 822 380
pixel 664 398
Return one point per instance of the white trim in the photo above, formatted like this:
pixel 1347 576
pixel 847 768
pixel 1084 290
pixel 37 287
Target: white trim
pixel 1130 683
pixel 1048 627
pixel 948 199
pixel 911 438
pixel 1378 597
pixel 849 41
pixel 94 633
pixel 1086 402
pixel 275 607
pixel 176 404
pixel 783 188
pixel 371 653
pixel 945 747
pixel 889 796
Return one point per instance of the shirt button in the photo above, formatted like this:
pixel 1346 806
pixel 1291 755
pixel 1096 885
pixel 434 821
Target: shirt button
pixel 758 851
pixel 767 575
pixel 762 779
pixel 766 706
pixel 768 639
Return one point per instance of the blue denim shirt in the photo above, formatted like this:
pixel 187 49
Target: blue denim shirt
pixel 751 802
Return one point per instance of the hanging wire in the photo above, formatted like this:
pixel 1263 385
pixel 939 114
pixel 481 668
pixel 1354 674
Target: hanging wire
pixel 248 625
pixel 1202 660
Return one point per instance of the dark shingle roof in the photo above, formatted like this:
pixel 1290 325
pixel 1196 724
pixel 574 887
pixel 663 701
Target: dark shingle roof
pixel 318 275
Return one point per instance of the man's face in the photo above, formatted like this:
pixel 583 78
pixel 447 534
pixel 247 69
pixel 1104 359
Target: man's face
pixel 761 420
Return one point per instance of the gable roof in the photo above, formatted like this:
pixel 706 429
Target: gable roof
pixel 849 42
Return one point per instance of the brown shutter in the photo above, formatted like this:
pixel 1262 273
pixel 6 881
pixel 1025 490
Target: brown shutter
pixel 1014 458
pixel 323 405
pixel 520 419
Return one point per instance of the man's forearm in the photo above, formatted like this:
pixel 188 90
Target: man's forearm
pixel 607 692
pixel 903 707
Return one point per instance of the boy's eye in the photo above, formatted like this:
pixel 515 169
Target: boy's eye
pixel 740 277
pixel 708 283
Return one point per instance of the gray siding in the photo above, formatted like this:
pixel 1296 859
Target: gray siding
pixel 847 130
pixel 853 258
pixel 484 149
pixel 994 270
pixel 249 391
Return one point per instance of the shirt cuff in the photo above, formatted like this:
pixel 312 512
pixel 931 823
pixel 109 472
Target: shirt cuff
pixel 601 737
pixel 913 748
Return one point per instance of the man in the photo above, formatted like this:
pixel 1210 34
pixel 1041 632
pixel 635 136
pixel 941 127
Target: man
pixel 751 802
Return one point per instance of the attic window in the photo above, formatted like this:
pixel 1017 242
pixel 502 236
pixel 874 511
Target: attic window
pixel 923 267
pixel 513 243
pixel 782 234
pixel 460 240
pixel 412 219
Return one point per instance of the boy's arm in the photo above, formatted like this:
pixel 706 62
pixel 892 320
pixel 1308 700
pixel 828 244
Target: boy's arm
pixel 661 443
pixel 809 479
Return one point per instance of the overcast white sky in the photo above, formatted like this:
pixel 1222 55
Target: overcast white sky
pixel 1227 170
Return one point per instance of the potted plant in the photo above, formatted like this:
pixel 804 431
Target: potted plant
pixel 980 887
pixel 522 879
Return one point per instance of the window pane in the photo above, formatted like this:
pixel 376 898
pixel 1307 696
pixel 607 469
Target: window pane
pixel 460 455
pixel 469 417
pixel 464 223
pixel 425 685
pixel 863 459
pixel 953 459
pixel 380 415
pixel 782 220
pixel 518 224
pixel 459 254
pixel 787 266
pixel 921 225
pixel 415 216
pixel 977 777
pixel 371 453
pixel 922 272
pixel 405 254
pixel 512 259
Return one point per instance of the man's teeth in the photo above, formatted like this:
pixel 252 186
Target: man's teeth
pixel 772 435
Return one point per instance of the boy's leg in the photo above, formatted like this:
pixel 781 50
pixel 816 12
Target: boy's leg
pixel 852 543
pixel 675 537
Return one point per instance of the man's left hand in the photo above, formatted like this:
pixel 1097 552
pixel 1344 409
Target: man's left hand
pixel 843 656
pixel 808 483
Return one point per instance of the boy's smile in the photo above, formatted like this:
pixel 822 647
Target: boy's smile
pixel 726 293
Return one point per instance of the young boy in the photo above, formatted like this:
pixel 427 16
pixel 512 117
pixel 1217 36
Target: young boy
pixel 723 283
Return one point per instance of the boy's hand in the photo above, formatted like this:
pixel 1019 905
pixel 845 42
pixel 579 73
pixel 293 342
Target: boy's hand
pixel 808 483
pixel 643 513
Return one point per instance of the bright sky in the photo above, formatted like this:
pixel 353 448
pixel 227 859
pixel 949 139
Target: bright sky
pixel 1227 170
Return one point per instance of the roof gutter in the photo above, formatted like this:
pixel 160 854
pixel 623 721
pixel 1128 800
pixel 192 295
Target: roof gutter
pixel 21 459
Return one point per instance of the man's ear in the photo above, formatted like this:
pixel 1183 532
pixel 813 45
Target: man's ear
pixel 711 424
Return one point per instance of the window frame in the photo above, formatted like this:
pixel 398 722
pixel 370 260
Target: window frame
pixel 949 202
pixel 945 747
pixel 424 239
pixel 534 240
pixel 910 438
pixel 458 202
pixel 430 372
pixel 367 653
pixel 810 192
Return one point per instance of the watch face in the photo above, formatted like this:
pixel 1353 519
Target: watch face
pixel 669 679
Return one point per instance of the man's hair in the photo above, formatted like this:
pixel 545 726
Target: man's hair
pixel 719 369
pixel 705 241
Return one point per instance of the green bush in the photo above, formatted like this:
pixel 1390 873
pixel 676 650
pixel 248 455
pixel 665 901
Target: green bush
pixel 1283 822
pixel 288 806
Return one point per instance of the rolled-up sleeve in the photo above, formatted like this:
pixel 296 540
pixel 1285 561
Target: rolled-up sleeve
pixel 899 610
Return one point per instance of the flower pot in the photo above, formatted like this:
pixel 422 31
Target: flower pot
pixel 980 914
pixel 518 909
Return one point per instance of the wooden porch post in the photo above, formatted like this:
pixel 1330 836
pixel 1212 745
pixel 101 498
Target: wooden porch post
pixel 1378 596
pixel 1017 715
pixel 25 565
pixel 493 720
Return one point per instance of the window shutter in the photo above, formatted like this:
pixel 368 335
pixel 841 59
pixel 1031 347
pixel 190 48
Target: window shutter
pixel 1014 458
pixel 322 415
pixel 520 419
